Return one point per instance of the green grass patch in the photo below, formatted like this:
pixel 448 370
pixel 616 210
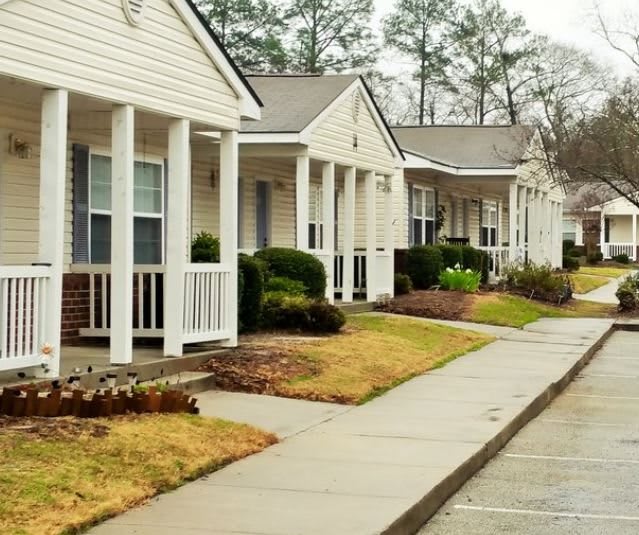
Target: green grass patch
pixel 602 271
pixel 583 283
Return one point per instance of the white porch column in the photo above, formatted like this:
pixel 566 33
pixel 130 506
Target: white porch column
pixel 350 177
pixel 177 235
pixel 512 220
pixel 389 216
pixel 229 180
pixel 545 229
pixel 533 233
pixel 559 256
pixel 122 182
pixel 302 181
pixel 523 203
pixel 634 237
pixel 371 236
pixel 328 226
pixel 53 164
pixel 602 234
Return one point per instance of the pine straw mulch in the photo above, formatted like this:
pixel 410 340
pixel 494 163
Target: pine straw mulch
pixel 52 428
pixel 452 306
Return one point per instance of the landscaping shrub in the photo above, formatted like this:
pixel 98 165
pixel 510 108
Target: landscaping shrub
pixel 285 285
pixel 425 263
pixel 622 258
pixel 537 281
pixel 628 294
pixel 285 311
pixel 570 263
pixel 595 258
pixel 575 252
pixel 484 266
pixel 460 280
pixel 205 249
pixel 251 298
pixel 325 318
pixel 403 284
pixel 296 265
pixel 471 258
pixel 451 255
pixel 568 245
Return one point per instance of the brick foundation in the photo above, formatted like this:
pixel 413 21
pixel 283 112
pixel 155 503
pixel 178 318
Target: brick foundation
pixel 75 306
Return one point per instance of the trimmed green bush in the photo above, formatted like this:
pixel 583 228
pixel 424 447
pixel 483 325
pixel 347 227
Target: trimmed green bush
pixel 285 285
pixel 296 265
pixel 284 311
pixel 403 284
pixel 205 249
pixel 325 318
pixel 568 245
pixel 627 295
pixel 471 258
pixel 595 258
pixel 570 263
pixel 251 299
pixel 451 255
pixel 425 263
pixel 484 266
pixel 622 258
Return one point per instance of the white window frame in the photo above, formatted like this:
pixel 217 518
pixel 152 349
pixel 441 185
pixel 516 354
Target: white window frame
pixel 423 217
pixel 138 158
pixel 493 208
pixel 317 219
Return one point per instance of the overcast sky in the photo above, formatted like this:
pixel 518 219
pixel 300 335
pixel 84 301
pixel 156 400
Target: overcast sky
pixel 569 21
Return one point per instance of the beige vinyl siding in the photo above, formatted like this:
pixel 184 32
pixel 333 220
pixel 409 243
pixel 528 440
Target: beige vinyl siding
pixel 89 47
pixel 332 140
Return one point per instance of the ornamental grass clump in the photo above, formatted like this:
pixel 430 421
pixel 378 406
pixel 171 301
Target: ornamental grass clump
pixel 460 280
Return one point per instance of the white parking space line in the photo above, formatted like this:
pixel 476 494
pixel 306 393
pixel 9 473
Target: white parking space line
pixel 579 422
pixel 601 397
pixel 546 513
pixel 571 459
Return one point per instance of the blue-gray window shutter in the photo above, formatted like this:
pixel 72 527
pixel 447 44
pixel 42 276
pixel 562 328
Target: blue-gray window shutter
pixel 80 204
pixel 411 228
pixel 435 231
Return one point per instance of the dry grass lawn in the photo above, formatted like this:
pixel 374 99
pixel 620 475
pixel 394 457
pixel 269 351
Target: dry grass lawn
pixel 582 283
pixel 375 354
pixel 603 271
pixel 65 481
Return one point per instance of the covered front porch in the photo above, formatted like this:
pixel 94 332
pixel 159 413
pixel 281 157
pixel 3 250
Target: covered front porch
pixel 96 227
pixel 619 235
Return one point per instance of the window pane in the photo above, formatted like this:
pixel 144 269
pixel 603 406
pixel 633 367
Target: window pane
pixel 484 236
pixel 100 239
pixel 147 247
pixel 430 204
pixel 418 202
pixel 100 182
pixel 148 188
pixel 312 241
pixel 493 237
pixel 429 239
pixel 493 217
pixel 418 232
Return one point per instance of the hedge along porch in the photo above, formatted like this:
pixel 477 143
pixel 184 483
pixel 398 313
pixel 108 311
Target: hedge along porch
pixel 95 172
pixel 316 174
pixel 478 186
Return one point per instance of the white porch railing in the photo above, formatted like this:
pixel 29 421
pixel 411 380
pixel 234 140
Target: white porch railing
pixel 206 300
pixel 24 293
pixel 359 273
pixel 148 299
pixel 610 250
pixel 498 258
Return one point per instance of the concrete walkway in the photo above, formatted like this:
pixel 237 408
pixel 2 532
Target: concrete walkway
pixel 386 466
pixel 605 294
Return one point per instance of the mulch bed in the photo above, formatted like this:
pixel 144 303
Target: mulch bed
pixel 431 304
pixel 35 427
pixel 258 369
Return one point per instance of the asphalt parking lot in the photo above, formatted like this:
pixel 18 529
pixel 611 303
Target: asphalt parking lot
pixel 573 470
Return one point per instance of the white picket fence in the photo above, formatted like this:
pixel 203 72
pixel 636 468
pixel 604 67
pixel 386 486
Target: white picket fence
pixel 23 301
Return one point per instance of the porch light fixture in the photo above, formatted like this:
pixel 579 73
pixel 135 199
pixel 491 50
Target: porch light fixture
pixel 20 148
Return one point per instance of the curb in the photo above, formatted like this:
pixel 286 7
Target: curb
pixel 415 517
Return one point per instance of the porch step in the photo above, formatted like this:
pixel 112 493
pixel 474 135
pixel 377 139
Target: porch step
pixel 188 382
pixel 356 308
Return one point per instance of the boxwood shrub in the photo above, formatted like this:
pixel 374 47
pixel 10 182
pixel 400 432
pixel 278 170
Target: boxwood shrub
pixel 471 258
pixel 425 263
pixel 452 255
pixel 403 284
pixel 296 265
pixel 251 271
pixel 570 263
pixel 285 285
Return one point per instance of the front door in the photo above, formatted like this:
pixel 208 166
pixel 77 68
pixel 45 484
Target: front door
pixel 262 214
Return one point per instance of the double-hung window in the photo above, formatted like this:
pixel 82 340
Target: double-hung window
pixel 489 224
pixel 424 215
pixel 148 227
pixel 570 230
pixel 315 223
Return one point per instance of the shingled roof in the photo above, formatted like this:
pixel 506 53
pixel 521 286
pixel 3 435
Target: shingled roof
pixel 291 102
pixel 476 147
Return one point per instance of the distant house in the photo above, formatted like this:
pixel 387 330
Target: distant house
pixel 100 103
pixel 478 185
pixel 316 175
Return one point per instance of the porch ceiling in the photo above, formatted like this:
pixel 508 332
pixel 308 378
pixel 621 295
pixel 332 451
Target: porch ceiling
pixel 491 185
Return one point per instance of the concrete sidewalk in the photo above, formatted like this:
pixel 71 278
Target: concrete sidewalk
pixel 386 466
pixel 606 294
